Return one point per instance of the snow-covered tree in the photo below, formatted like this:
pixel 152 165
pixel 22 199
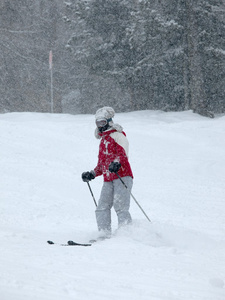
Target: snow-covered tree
pixel 130 54
pixel 164 54
pixel 29 29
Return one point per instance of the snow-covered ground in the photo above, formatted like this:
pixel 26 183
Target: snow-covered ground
pixel 178 160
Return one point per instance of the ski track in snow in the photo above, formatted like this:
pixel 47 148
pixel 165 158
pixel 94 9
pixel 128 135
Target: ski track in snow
pixel 179 167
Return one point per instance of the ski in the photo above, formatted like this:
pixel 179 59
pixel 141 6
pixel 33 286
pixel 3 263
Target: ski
pixel 99 239
pixel 69 243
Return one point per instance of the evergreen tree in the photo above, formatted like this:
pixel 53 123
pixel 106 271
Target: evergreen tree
pixel 129 54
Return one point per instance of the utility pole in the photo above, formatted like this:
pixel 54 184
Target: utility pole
pixel 51 75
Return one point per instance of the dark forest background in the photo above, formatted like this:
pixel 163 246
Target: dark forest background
pixel 129 54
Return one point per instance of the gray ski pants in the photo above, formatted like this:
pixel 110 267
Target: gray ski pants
pixel 114 194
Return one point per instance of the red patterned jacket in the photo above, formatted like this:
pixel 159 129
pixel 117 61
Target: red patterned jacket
pixel 113 147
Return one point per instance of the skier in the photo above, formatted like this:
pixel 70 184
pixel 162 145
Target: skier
pixel 112 159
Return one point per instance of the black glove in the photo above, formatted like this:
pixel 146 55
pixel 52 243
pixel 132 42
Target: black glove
pixel 88 176
pixel 114 167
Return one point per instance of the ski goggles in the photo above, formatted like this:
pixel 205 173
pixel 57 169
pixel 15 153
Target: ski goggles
pixel 102 122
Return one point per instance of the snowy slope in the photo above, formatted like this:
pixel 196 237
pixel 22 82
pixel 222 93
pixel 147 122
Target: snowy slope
pixel 179 166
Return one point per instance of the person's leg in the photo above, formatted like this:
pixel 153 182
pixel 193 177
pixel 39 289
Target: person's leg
pixel 121 201
pixel 103 210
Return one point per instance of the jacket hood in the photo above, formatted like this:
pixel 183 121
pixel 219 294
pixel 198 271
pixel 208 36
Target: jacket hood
pixel 112 128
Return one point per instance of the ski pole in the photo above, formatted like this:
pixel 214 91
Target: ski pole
pixel 133 197
pixel 92 193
